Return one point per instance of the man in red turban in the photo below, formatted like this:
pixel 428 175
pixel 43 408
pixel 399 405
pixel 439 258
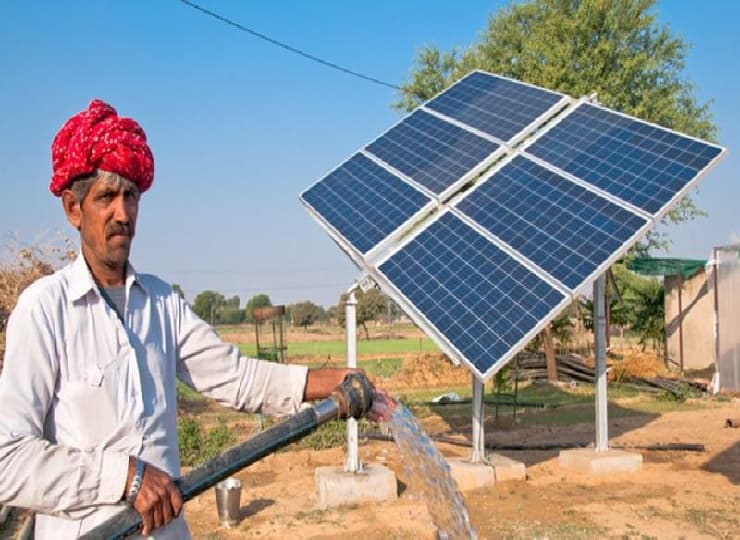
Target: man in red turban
pixel 87 392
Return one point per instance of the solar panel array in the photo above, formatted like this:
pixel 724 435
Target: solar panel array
pixel 482 270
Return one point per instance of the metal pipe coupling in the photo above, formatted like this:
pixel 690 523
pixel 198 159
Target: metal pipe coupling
pixel 354 396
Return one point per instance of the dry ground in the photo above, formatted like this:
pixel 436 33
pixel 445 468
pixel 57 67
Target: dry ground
pixel 676 495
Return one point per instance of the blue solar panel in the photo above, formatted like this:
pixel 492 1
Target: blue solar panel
pixel 640 163
pixel 494 105
pixel 562 227
pixel 364 202
pixel 434 153
pixel 480 298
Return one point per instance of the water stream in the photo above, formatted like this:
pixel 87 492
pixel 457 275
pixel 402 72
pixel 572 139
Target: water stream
pixel 429 477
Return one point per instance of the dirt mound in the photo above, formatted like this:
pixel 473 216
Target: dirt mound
pixel 426 371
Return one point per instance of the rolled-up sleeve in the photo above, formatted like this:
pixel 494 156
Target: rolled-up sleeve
pixel 217 370
pixel 34 472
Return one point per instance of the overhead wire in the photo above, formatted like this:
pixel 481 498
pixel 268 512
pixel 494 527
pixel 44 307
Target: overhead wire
pixel 287 47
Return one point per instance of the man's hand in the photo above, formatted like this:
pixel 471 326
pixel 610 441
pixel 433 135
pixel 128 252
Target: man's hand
pixel 158 501
pixel 321 381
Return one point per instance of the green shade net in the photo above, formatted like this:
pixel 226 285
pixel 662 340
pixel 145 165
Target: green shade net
pixel 651 266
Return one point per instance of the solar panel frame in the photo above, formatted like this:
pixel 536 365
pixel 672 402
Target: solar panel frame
pixel 526 130
pixel 357 256
pixel 444 343
pixel 658 214
pixel 598 269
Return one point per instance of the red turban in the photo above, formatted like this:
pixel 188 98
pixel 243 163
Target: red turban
pixel 99 139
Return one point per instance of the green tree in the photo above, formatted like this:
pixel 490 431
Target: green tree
pixel 229 312
pixel 370 306
pixel 258 300
pixel 206 305
pixel 305 313
pixel 640 306
pixel 332 313
pixel 613 48
pixel 650 314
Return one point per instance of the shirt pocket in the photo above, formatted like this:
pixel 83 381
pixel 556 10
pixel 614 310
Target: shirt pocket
pixel 87 416
pixel 84 415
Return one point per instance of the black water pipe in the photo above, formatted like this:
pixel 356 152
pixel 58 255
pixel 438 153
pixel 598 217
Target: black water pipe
pixel 352 398
pixel 528 447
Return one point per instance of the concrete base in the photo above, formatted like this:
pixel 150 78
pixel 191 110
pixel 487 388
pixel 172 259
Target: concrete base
pixel 589 461
pixel 507 469
pixel 471 475
pixel 475 475
pixel 335 487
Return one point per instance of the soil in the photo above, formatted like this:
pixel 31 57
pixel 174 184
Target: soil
pixel 675 495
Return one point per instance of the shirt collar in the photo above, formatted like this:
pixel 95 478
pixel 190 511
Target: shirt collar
pixel 82 281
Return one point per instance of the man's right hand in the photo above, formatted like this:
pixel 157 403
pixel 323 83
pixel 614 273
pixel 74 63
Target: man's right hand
pixel 158 501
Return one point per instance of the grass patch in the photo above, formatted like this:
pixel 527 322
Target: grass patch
pixel 571 414
pixel 375 368
pixel 427 394
pixel 185 393
pixel 562 405
pixel 381 368
pixel 331 434
pixel 197 444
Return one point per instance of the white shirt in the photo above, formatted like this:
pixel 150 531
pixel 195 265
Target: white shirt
pixel 82 391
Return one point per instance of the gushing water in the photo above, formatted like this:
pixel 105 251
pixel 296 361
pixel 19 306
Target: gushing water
pixel 429 476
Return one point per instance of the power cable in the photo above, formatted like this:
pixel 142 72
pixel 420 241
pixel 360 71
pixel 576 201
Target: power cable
pixel 286 46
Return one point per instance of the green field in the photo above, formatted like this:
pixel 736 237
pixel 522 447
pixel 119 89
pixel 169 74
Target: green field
pixel 337 348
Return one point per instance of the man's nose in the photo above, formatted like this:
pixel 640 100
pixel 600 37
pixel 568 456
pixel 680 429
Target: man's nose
pixel 121 210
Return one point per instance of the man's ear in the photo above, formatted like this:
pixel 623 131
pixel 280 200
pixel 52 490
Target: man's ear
pixel 72 208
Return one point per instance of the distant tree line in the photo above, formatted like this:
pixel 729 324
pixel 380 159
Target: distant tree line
pixel 215 308
pixel 638 307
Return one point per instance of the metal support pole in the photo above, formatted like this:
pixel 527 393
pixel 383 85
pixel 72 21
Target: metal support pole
pixel 602 419
pixel 350 317
pixel 680 321
pixel 478 454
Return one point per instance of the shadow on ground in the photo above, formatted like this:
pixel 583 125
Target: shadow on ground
pixel 727 463
pixel 255 506
pixel 538 434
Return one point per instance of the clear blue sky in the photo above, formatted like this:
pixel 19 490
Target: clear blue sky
pixel 239 127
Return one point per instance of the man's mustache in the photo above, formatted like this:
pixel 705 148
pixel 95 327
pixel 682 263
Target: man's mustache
pixel 118 228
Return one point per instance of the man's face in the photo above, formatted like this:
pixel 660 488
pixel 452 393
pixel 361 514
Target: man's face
pixel 107 222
